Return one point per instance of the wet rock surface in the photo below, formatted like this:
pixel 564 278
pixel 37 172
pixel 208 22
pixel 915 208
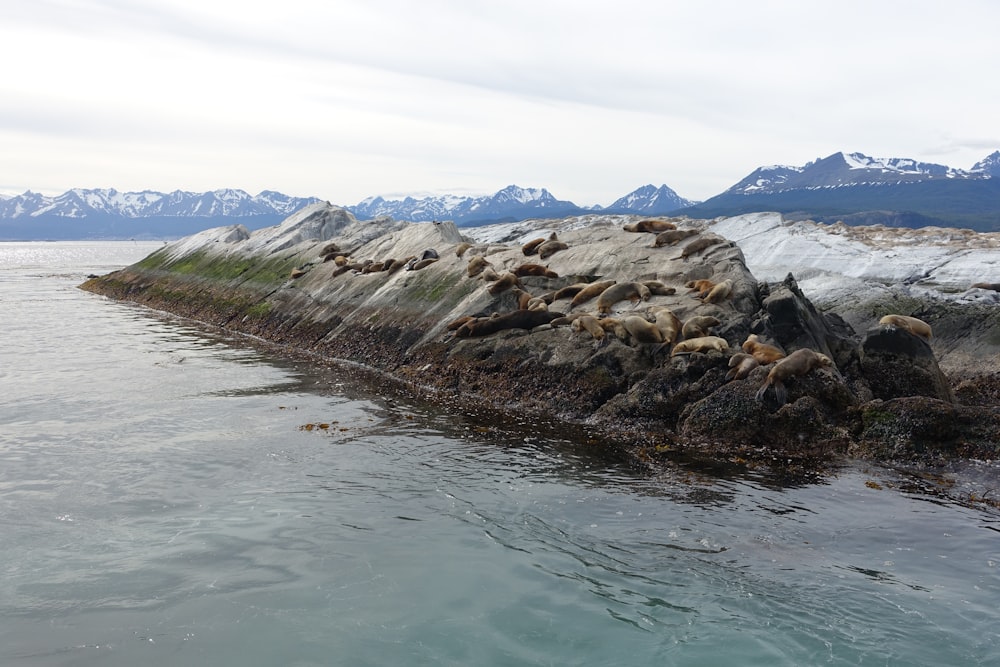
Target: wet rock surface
pixel 407 292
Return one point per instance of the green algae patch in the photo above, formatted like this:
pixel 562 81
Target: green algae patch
pixel 223 268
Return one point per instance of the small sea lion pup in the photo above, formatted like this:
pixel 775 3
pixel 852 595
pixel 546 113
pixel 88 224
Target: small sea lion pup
pixel 461 248
pixel 703 344
pixel 740 365
pixel 650 226
pixel 619 292
pixel 702 287
pixel 591 325
pixel 799 362
pixel 762 352
pixel 505 282
pixel 907 323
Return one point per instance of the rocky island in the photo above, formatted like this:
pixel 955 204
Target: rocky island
pixel 659 335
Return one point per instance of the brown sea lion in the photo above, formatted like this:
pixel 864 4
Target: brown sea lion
pixel 522 298
pixel 699 244
pixel 740 365
pixel 461 248
pixel 397 264
pixel 330 249
pixel 720 292
pixel 568 292
pixel 341 260
pixel 657 288
pixel 531 247
pixel 799 362
pixel 616 327
pixel 591 325
pixel 990 286
pixel 458 322
pixel 503 283
pixel 702 344
pixel 421 263
pixel 702 287
pixel 673 237
pixel 764 354
pixel 907 323
pixel 297 273
pixel 699 325
pixel 534 270
pixel 650 226
pixel 477 264
pixel 518 319
pixel 550 248
pixel 590 291
pixel 669 324
pixel 632 291
pixel 537 303
pixel 642 330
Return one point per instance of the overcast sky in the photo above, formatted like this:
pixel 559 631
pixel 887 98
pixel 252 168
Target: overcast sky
pixel 344 99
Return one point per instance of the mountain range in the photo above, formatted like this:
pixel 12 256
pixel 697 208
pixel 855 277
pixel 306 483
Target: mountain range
pixel 852 187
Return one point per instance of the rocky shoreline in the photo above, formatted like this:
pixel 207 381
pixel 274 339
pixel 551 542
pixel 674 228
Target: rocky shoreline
pixel 310 284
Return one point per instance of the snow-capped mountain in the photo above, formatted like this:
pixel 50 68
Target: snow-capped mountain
pixel 842 169
pixel 858 189
pixel 513 202
pixel 83 203
pixel 650 200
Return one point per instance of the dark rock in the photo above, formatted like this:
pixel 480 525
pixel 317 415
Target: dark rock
pixel 895 363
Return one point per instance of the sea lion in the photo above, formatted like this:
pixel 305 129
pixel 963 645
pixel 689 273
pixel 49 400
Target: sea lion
pixel 702 344
pixel 567 319
pixel 659 289
pixel 461 248
pixel 762 352
pixel 642 330
pixel 522 298
pixel 699 244
pixel 535 270
pixel 458 322
pixel 531 247
pixel 374 267
pixel 907 323
pixel 297 273
pixel 341 260
pixel 396 265
pixel 650 226
pixel 740 365
pixel 990 286
pixel 669 324
pixel 430 253
pixel 799 362
pixel 699 325
pixel 489 274
pixel 720 292
pixel 477 264
pixel 550 248
pixel 505 282
pixel 330 249
pixel 568 292
pixel 589 291
pixel 619 292
pixel 536 303
pixel 591 325
pixel 673 237
pixel 518 319
pixel 421 263
pixel 616 327
pixel 702 287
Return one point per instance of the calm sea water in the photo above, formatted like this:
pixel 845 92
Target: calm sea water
pixel 173 496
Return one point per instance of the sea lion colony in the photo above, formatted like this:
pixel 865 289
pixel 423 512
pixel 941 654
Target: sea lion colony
pixel 592 307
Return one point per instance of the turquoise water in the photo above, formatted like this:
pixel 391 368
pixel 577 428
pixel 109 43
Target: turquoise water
pixel 173 496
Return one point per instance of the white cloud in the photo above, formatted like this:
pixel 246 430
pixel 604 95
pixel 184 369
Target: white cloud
pixel 588 99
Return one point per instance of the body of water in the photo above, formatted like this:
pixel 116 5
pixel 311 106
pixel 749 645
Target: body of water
pixel 170 495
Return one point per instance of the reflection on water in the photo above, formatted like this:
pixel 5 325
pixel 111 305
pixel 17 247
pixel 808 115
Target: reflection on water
pixel 162 502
